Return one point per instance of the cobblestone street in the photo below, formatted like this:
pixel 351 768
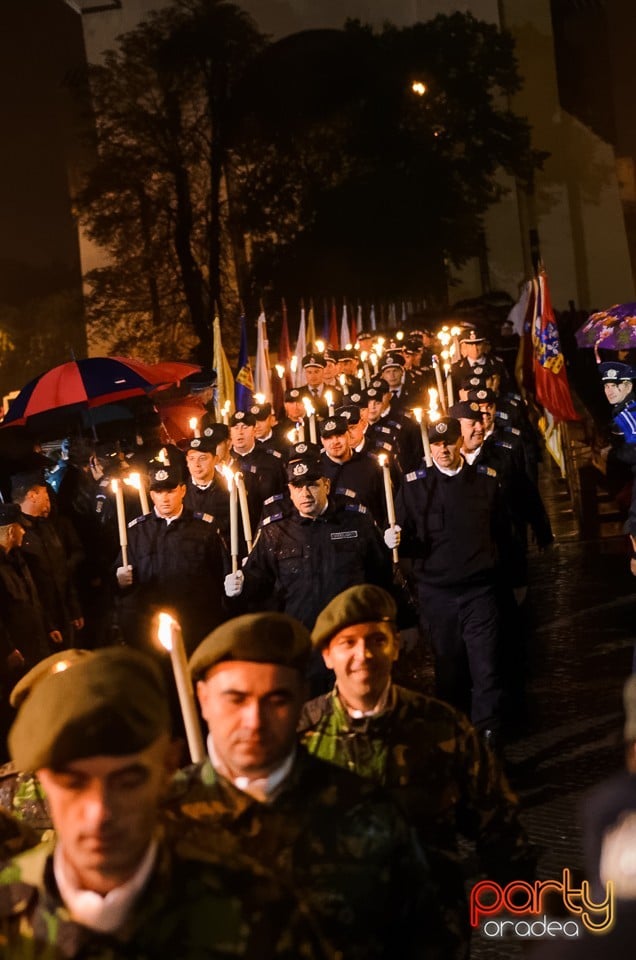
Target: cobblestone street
pixel 581 612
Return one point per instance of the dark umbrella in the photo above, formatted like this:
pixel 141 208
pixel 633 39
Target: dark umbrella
pixel 612 329
pixel 94 382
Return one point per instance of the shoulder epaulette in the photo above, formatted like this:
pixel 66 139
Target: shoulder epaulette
pixel 487 471
pixel 356 508
pixel 415 475
pixel 384 445
pixel 274 453
pixel 394 423
pixel 503 444
pixel 141 519
pixel 273 499
pixel 500 415
pixel 383 430
pixel 515 431
pixel 346 492
pixel 272 519
pixel 204 516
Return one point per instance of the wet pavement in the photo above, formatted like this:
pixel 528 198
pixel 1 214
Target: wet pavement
pixel 580 617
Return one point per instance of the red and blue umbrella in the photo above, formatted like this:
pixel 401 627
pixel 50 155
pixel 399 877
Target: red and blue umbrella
pixel 89 383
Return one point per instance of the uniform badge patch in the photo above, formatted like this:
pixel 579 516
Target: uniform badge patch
pixel 344 535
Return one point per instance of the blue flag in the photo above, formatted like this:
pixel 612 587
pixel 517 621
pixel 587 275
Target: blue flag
pixel 244 381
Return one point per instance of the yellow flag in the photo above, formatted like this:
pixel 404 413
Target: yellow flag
pixel 224 378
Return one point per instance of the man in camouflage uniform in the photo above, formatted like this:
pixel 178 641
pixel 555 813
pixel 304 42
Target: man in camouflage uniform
pixel 109 887
pixel 339 842
pixel 422 750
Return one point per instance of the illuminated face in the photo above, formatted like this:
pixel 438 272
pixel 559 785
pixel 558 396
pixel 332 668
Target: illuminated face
pixel 337 446
pixel 104 811
pixel 252 711
pixel 617 391
pixel 310 499
pixel 314 375
pixel 242 437
pixel 168 502
pixel 361 657
pixel 201 466
pixel 488 415
pixel 393 376
pixel 295 410
pixel 330 371
pixel 38 501
pixel 356 433
pixel 262 428
pixel 472 434
pixel 377 407
pixel 446 455
pixel 348 366
pixel 474 351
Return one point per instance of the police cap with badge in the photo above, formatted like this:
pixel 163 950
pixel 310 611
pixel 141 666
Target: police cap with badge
pixel 349 413
pixel 614 372
pixel 392 358
pixel 470 334
pixel 165 476
pixel 261 411
pixel 484 395
pixel 112 702
pixel 257 638
pixel 293 395
pixel 218 432
pixel 313 360
pixel 202 444
pixel 333 427
pixel 242 418
pixel 303 471
pixel 446 430
pixel 465 410
pixel 304 450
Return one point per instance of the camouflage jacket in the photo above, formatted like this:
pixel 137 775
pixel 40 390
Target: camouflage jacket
pixel 430 758
pixel 188 911
pixel 22 795
pixel 341 844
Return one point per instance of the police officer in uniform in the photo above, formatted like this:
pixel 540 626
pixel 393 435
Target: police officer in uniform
pixel 618 383
pixel 206 489
pixel 176 560
pixel 452 523
pixel 354 477
pixel 262 468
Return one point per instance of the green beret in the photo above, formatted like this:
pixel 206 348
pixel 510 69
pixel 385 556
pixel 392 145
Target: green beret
pixel 257 637
pixel 110 703
pixel 629 699
pixel 57 662
pixel 362 604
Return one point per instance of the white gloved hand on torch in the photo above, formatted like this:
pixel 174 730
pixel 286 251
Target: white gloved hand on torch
pixel 392 537
pixel 234 583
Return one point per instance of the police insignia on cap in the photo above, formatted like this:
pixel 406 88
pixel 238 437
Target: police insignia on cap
pixel 161 475
pixel 208 432
pixel 355 397
pixel 482 394
pixel 474 381
pixel 441 427
pixel 300 469
pixel 474 406
pixel 195 443
pixel 330 425
pixel 294 393
pixel 255 409
pixel 239 415
pixel 346 414
pixel 301 448
pixel 478 370
pixel 372 392
pixel 612 374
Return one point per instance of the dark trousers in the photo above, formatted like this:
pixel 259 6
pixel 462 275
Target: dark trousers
pixel 464 630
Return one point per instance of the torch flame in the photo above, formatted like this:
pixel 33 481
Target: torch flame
pixel 229 476
pixel 280 370
pixel 259 398
pixel 320 346
pixel 164 631
pixel 433 409
pixel 382 459
pixel 417 413
pixel 133 480
pixel 193 423
pixel 309 410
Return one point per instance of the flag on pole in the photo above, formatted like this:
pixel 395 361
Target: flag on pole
pixel 353 329
pixel 333 327
pixel 262 373
pixel 550 376
pixel 224 378
pixel 244 379
pixel 345 336
pixel 311 328
pixel 300 351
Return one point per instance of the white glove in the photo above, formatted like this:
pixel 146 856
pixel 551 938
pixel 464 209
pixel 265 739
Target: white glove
pixel 125 576
pixel 392 536
pixel 234 583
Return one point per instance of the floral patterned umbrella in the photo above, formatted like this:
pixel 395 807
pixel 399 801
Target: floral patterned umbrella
pixel 612 329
